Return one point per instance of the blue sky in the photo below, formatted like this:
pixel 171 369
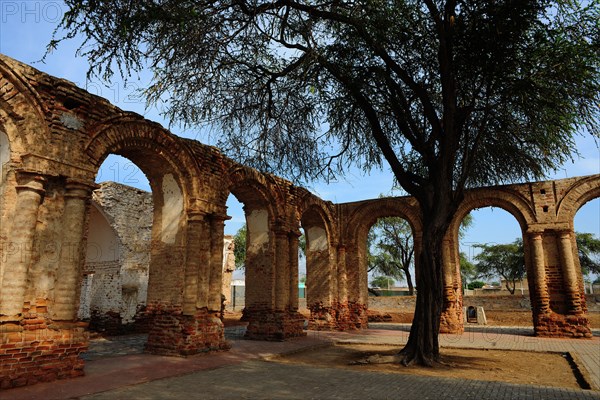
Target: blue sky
pixel 26 28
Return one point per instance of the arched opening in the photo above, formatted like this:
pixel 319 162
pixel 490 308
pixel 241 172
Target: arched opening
pixel 143 268
pixel 234 282
pixel 492 267
pixel 587 229
pixel 302 274
pixel 259 274
pixel 115 276
pixel 391 270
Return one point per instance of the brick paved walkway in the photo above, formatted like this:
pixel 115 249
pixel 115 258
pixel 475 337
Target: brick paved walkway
pixel 243 373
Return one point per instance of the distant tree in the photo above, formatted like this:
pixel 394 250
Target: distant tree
pixel 468 272
pixel 382 282
pixel 239 241
pixel 503 260
pixel 391 247
pixel 393 250
pixel 588 247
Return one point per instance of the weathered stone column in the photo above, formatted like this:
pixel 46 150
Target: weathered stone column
pixel 342 275
pixel 66 291
pixel 282 270
pixel 192 264
pixel 217 232
pixel 343 315
pixel 542 298
pixel 293 257
pixel 203 262
pixel 30 191
pixel 569 272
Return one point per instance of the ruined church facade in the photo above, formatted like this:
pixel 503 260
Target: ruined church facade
pixel 53 139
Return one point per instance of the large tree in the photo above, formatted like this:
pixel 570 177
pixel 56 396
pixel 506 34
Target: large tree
pixel 449 94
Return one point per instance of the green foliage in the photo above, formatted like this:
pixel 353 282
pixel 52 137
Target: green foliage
pixel 468 272
pixel 477 92
pixel 239 250
pixel 382 282
pixel 391 249
pixel 588 247
pixel 503 260
pixel 475 285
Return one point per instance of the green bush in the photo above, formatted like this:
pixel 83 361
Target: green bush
pixel 475 285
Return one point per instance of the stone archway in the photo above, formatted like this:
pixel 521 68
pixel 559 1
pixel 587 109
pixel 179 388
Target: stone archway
pixel 271 303
pixel 361 216
pixel 452 318
pixel 181 304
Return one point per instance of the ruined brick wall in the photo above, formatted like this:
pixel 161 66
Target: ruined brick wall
pixel 114 288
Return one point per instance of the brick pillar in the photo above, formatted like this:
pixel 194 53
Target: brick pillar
pixel 192 264
pixel 34 347
pixel 217 233
pixel 203 262
pixel 343 318
pixel 293 257
pixel 282 270
pixel 569 271
pixel 342 275
pixel 66 291
pixel 30 190
pixel 542 298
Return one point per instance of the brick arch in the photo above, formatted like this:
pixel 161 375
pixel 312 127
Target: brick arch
pixel 311 208
pixel 252 189
pixel 583 190
pixel 154 149
pixel 21 109
pixel 504 199
pixel 361 220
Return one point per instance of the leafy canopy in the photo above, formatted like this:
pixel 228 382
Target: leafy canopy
pixel 475 91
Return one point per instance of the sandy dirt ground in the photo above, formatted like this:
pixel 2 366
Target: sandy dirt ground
pixel 495 365
pixel 491 365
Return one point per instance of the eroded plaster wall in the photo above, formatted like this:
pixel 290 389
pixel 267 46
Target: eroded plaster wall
pixel 115 277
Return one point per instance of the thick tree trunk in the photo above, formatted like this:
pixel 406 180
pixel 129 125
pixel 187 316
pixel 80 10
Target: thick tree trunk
pixel 423 346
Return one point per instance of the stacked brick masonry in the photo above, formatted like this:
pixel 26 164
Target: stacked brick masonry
pixel 265 324
pixel 36 349
pixel 337 317
pixel 175 334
